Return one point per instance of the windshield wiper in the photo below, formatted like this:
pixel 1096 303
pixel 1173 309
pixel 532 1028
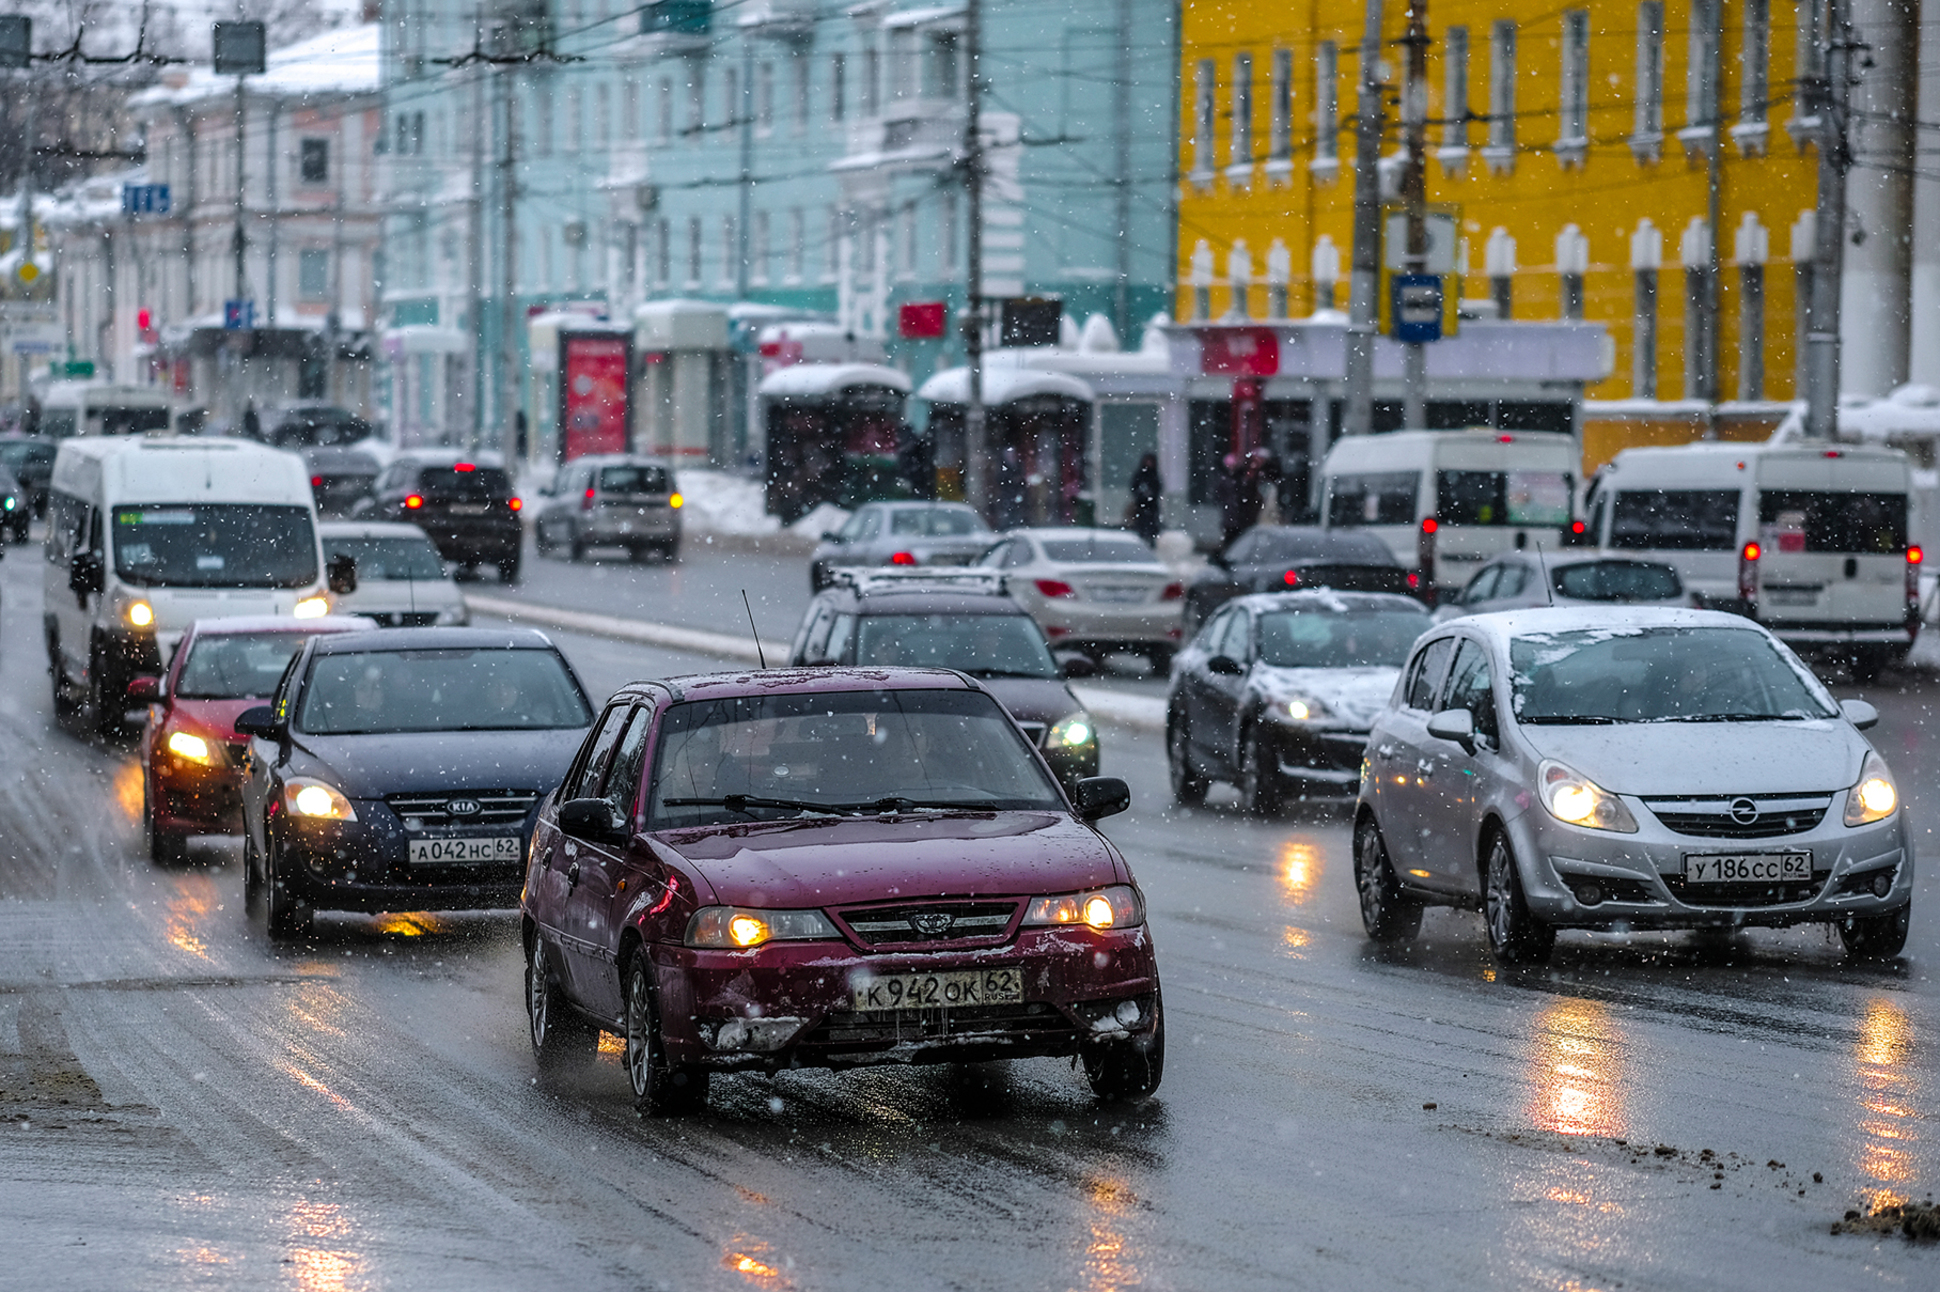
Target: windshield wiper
pixel 1726 717
pixel 1570 719
pixel 743 802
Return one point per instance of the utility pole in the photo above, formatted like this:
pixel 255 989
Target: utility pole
pixel 508 380
pixel 1414 195
pixel 475 242
pixel 1827 99
pixel 1710 340
pixel 239 50
pixel 746 178
pixel 1365 278
pixel 976 487
pixel 275 220
pixel 1121 96
pixel 239 242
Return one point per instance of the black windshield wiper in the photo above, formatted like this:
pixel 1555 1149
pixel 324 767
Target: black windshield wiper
pixel 1725 717
pixel 1570 719
pixel 743 802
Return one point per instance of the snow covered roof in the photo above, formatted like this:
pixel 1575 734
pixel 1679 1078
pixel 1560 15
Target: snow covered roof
pixel 346 60
pixel 1001 385
pixel 824 378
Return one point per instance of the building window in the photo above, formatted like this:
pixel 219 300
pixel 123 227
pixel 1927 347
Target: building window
pixel 1573 129
pixel 1203 112
pixel 663 130
pixel 797 244
pixel 838 85
pixel 1455 93
pixel 542 127
pixel 696 99
pixel 902 64
pixel 940 73
pixel 1327 105
pixel 1754 74
pixel 313 275
pixel 758 253
pixel 731 103
pixel 602 116
pixel 906 242
pixel 764 97
pixel 799 65
pixel 1649 130
pixel 1810 63
pixel 574 135
pixel 730 251
pixel 946 252
pixel 1239 140
pixel 1701 71
pixel 630 111
pixel 1280 130
pixel 871 81
pixel 1501 150
pixel 832 246
pixel 313 161
pixel 663 252
pixel 693 251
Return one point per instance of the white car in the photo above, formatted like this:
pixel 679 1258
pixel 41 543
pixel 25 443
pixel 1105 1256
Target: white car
pixel 1527 580
pixel 402 582
pixel 1094 590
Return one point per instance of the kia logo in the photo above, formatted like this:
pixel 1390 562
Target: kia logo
pixel 469 807
pixel 932 924
pixel 1744 811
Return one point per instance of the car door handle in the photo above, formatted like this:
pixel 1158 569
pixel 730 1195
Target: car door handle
pixel 1425 766
pixel 572 876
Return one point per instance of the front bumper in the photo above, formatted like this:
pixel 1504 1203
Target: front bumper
pixel 364 865
pixel 791 1004
pixel 1639 877
pixel 186 797
pixel 1324 758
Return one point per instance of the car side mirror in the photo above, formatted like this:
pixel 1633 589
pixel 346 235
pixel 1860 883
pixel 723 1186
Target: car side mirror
pixel 1097 797
pixel 342 573
pixel 144 689
pixel 259 720
pixel 1457 725
pixel 592 819
pixel 830 536
pixel 85 574
pixel 1860 714
pixel 1076 665
pixel 1225 666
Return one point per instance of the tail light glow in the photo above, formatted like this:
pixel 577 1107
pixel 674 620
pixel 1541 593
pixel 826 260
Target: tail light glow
pixel 1055 588
pixel 903 558
pixel 463 466
pixel 316 482
pixel 516 504
pixel 1914 556
pixel 1291 578
pixel 1173 591
pixel 586 503
pixel 1748 576
pixel 414 502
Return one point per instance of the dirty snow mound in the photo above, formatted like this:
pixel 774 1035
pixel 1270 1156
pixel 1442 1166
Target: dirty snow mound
pixel 826 518
pixel 719 503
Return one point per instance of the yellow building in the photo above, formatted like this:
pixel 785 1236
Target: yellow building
pixel 1577 148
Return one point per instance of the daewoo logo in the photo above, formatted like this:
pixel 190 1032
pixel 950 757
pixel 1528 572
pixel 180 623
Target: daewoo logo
pixel 932 924
pixel 462 807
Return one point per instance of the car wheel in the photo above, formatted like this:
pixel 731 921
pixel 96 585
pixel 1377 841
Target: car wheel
pixel 818 577
pixel 658 1087
pixel 288 915
pixel 1516 936
pixel 576 547
pixel 165 848
pixel 1188 789
pixel 1261 787
pixel 104 683
pixel 508 571
pixel 1876 937
pixel 252 868
pixel 1129 1069
pixel 1867 663
pixel 560 1037
pixel 1388 914
pixel 1160 658
pixel 63 696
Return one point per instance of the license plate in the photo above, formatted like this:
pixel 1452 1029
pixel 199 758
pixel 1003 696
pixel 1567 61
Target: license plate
pixel 1791 596
pixel 1119 594
pixel 939 990
pixel 470 508
pixel 1747 867
pixel 446 851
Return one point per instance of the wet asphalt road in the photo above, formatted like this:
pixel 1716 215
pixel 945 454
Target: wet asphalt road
pixel 182 1104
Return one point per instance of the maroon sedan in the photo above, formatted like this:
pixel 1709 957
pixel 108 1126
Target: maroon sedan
pixel 191 756
pixel 831 868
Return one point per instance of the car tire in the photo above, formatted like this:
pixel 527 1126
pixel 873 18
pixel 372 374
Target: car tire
pixel 1262 789
pixel 104 682
pixel 1121 1071
pixel 62 695
pixel 252 868
pixel 561 1039
pixel 508 571
pixel 818 576
pixel 1160 658
pixel 1387 913
pixel 1516 935
pixel 166 849
pixel 1867 663
pixel 1876 937
pixel 659 1088
pixel 287 915
pixel 1188 789
pixel 576 547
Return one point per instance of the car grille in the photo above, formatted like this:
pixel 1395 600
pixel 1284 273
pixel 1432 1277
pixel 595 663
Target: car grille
pixel 884 926
pixel 1712 818
pixel 401 618
pixel 1735 895
pixel 889 1026
pixel 496 808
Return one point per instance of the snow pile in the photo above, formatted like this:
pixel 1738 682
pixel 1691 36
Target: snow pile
pixel 719 503
pixel 826 518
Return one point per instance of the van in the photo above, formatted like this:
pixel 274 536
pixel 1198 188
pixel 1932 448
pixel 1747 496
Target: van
pixel 1445 502
pixel 1810 540
pixel 147 535
pixel 95 408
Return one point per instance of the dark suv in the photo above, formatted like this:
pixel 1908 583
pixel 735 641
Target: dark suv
pixel 466 506
pixel 963 621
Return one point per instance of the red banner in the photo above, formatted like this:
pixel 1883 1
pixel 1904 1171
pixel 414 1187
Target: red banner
pixel 593 393
pixel 920 320
pixel 1239 351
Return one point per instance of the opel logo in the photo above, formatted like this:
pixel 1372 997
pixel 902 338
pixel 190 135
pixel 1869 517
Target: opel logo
pixel 932 924
pixel 469 807
pixel 1744 811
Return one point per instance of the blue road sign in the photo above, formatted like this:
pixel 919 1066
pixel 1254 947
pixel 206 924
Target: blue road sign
pixel 238 316
pixel 144 199
pixel 1417 307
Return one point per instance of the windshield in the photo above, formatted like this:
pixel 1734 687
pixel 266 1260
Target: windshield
pixel 1008 645
pixel 1675 520
pixel 372 692
pixel 320 432
pixel 215 545
pixel 1118 548
pixel 1617 581
pixel 1376 498
pixel 845 752
pixel 235 666
pixel 631 480
pixel 1319 638
pixel 389 558
pixel 1660 675
pixel 1805 520
pixel 936 522
pixel 1502 497
pixel 128 421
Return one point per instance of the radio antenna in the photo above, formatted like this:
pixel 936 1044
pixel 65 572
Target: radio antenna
pixel 1542 568
pixel 753 631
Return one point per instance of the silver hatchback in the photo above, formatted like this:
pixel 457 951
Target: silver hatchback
pixel 1644 768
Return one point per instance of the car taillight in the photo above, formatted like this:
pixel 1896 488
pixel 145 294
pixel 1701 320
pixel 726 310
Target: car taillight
pixel 1173 591
pixel 463 466
pixel 903 558
pixel 586 503
pixel 1425 552
pixel 1055 588
pixel 516 503
pixel 1914 556
pixel 414 502
pixel 316 482
pixel 1291 578
pixel 1748 576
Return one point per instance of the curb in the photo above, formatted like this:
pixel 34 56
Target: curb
pixel 1139 712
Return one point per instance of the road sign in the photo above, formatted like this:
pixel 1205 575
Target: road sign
pixel 1441 231
pixel 144 199
pixel 239 49
pixel 1417 307
pixel 238 316
pixel 74 369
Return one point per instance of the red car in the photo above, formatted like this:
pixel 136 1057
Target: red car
pixel 191 756
pixel 831 867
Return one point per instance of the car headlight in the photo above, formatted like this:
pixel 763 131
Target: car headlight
pixel 312 607
pixel 1572 797
pixel 316 800
pixel 1069 733
pixel 186 744
pixel 1300 708
pixel 1116 907
pixel 737 928
pixel 141 614
pixel 1875 797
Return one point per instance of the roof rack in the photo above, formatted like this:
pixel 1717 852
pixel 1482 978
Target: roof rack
pixel 868 580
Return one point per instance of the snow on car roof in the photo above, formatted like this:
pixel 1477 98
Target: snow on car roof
pixel 1543 621
pixel 1327 599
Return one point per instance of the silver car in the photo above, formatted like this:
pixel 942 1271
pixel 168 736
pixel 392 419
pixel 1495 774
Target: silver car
pixel 1098 590
pixel 902 533
pixel 1639 767
pixel 1526 580
pixel 610 500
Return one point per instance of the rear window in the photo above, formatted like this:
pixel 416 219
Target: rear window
pixel 634 480
pixel 1329 639
pixel 1502 497
pixel 389 558
pixel 1375 498
pixel 464 481
pixel 1617 581
pixel 236 666
pixel 936 522
pixel 1098 547
pixel 1675 520
pixel 128 421
pixel 1802 520
pixel 371 692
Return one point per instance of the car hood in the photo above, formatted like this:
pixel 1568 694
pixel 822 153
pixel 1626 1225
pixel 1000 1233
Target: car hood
pixel 869 859
pixel 1652 758
pixel 1356 695
pixel 371 767
pixel 1033 699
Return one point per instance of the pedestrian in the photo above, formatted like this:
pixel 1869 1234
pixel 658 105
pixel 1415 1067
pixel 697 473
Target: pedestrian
pixel 252 424
pixel 1147 489
pixel 1246 507
pixel 1226 485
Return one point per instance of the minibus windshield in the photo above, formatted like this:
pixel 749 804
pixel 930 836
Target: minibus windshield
pixel 215 545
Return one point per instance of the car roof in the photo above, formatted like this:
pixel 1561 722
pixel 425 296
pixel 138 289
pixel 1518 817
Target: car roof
pixel 617 460
pixel 799 681
pixel 928 601
pixel 240 625
pixel 385 639
pixel 919 504
pixel 432 455
pixel 1312 540
pixel 1501 625
pixel 369 529
pixel 1327 599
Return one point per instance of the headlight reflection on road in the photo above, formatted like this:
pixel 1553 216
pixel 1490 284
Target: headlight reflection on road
pixel 1108 1259
pixel 1577 1067
pixel 1300 866
pixel 189 908
pixel 1888 1095
pixel 317 1268
pixel 753 1262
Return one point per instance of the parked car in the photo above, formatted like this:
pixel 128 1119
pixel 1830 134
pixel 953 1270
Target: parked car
pixel 191 753
pixel 959 620
pixel 309 426
pixel 31 459
pixel 1525 580
pixel 15 513
pixel 1094 590
pixel 402 582
pixel 902 533
pixel 610 500
pixel 467 506
pixel 1282 558
pixel 1634 767
pixel 831 868
pixel 1277 692
pixel 401 770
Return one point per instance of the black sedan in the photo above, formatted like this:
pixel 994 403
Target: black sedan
pixel 1277 693
pixel 1285 558
pixel 401 770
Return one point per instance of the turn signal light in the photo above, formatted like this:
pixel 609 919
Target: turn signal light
pixel 516 503
pixel 1752 551
pixel 675 501
pixel 414 502
pixel 1914 556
